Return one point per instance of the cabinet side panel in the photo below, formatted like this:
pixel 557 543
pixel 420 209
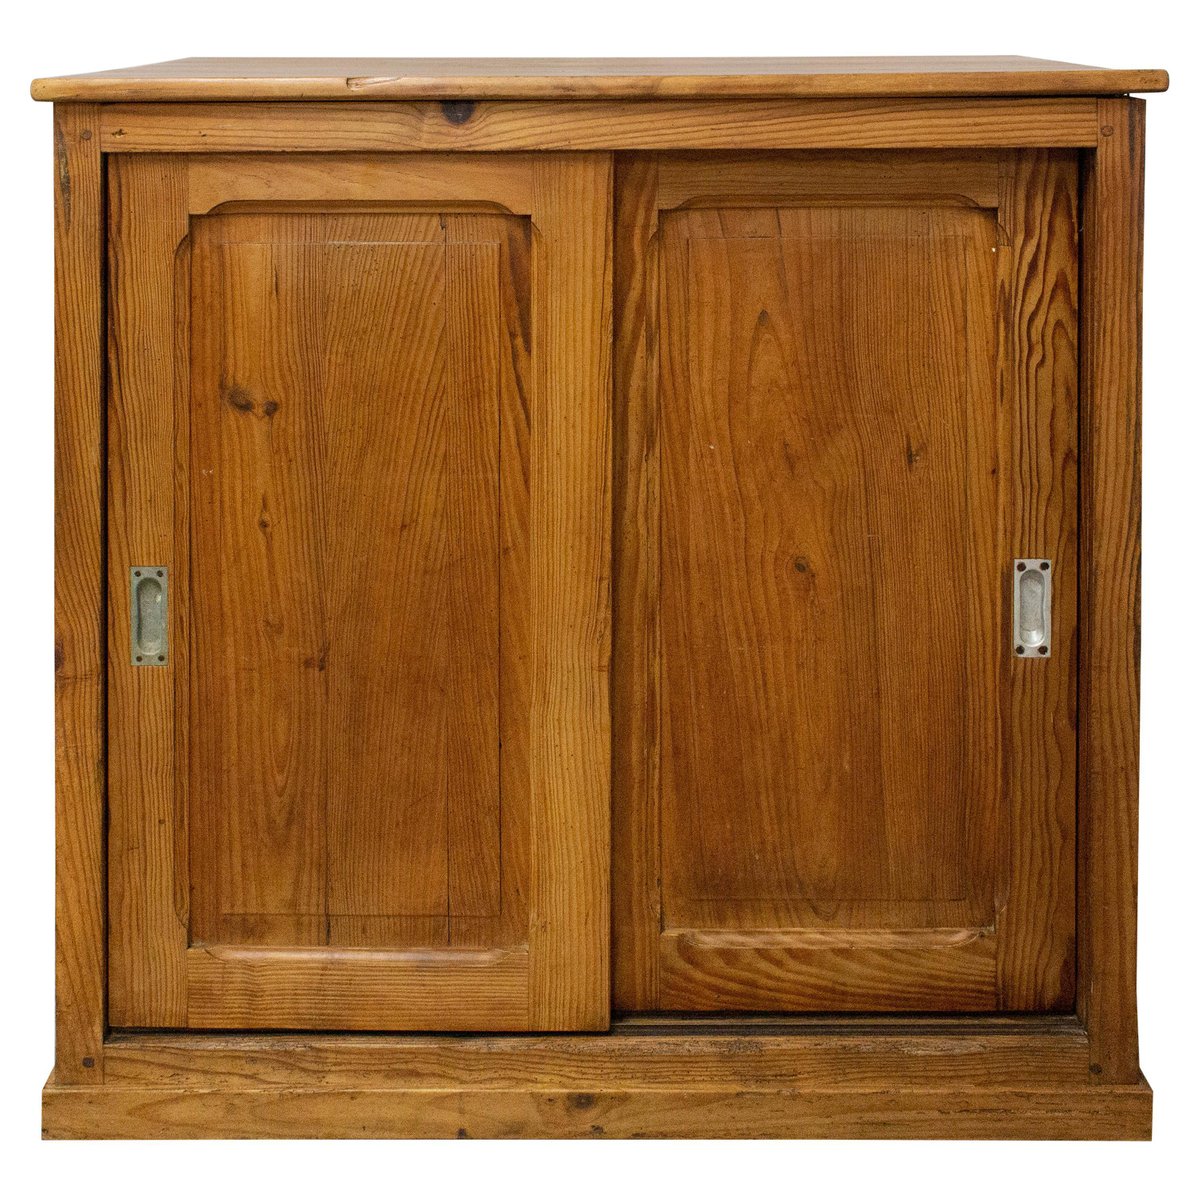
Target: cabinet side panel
pixel 78 596
pixel 1110 592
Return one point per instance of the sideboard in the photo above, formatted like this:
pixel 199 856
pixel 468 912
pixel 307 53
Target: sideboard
pixel 597 598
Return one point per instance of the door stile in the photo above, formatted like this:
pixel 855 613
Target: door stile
pixel 1039 316
pixel 570 523
pixel 1110 589
pixel 148 226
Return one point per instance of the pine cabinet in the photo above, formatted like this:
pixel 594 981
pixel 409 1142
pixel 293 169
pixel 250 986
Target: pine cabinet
pixel 634 561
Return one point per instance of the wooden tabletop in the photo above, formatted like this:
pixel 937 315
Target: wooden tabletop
pixel 590 78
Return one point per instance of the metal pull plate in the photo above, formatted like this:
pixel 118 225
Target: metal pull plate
pixel 148 616
pixel 1031 607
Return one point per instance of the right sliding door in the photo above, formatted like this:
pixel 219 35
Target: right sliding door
pixel 846 546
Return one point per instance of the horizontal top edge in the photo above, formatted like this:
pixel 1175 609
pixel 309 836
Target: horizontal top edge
pixel 243 79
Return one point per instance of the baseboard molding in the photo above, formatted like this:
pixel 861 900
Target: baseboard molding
pixel 943 1080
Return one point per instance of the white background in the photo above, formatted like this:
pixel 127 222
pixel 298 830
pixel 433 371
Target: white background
pixel 65 37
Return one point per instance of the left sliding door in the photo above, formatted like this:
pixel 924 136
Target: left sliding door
pixel 358 610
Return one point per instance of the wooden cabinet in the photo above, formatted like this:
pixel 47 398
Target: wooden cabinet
pixel 633 561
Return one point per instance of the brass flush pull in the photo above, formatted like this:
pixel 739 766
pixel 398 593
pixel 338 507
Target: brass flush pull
pixel 148 616
pixel 1031 607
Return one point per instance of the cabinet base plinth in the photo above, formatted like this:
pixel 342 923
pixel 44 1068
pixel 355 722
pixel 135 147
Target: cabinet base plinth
pixel 947 1079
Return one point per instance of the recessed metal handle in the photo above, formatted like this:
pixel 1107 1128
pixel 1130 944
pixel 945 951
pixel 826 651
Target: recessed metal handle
pixel 1031 607
pixel 148 616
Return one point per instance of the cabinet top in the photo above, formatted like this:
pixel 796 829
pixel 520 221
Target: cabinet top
pixel 591 78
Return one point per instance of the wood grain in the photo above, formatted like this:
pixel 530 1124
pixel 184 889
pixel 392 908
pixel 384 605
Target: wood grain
pixel 473 670
pixel 357 620
pixel 644 185
pixel 470 181
pixel 599 125
pixel 919 970
pixel 323 456
pixel 79 598
pixel 736 881
pixel 636 856
pixel 928 1078
pixel 317 988
pixel 397 302
pixel 805 478
pixel 1039 384
pixel 569 568
pixel 147 925
pixel 773 554
pixel 1110 595
pixel 257 762
pixel 1027 1114
pixel 825 1052
pixel 403 650
pixel 573 78
pixel 763 180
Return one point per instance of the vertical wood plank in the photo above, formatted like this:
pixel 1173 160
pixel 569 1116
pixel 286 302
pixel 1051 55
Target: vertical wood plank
pixel 827 509
pixel 388 583
pixel 78 596
pixel 147 932
pixel 255 795
pixel 472 469
pixel 514 585
pixel 1110 595
pixel 635 860
pixel 1039 312
pixel 569 525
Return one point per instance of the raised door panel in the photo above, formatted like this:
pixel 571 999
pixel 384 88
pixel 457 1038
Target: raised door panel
pixel 837 369
pixel 329 809
pixel 346 502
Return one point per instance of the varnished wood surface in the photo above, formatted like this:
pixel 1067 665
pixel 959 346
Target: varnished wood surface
pixel 1031 194
pixel 823 507
pixel 346 495
pixel 924 1080
pixel 637 851
pixel 917 970
pixel 147 811
pixel 1038 268
pixel 761 179
pixel 567 78
pixel 1110 651
pixel 600 125
pixel 363 646
pixel 801 608
pixel 729 695
pixel 1030 1113
pixel 491 181
pixel 821 1052
pixel 316 988
pixel 80 741
pixel 571 639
